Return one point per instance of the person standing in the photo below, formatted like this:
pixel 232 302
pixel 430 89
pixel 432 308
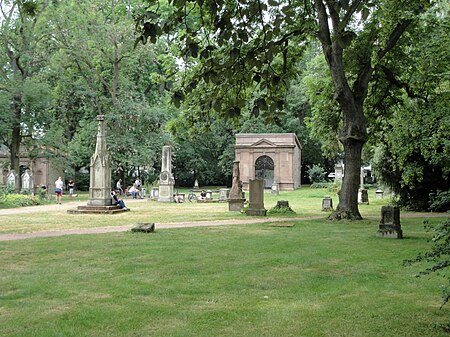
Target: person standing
pixel 71 187
pixel 119 186
pixel 59 185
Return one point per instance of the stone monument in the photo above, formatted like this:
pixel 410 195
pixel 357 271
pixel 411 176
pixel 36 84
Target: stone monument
pixel 100 178
pixel 390 223
pixel 363 196
pixel 256 198
pixel 236 199
pixel 27 182
pixel 11 180
pixel 327 203
pixel 166 180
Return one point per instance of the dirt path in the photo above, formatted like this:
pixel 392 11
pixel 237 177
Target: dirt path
pixel 103 230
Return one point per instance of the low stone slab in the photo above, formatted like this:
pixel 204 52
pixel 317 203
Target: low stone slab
pixel 143 227
pixel 113 209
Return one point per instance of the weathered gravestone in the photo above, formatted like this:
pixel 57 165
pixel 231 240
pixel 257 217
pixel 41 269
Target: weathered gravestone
pixel 11 180
pixel 390 223
pixel 224 194
pixel 143 227
pixel 256 198
pixel 27 182
pixel 363 196
pixel 166 180
pixel 327 203
pixel 236 200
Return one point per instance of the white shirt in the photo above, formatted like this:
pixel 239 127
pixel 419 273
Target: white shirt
pixel 59 184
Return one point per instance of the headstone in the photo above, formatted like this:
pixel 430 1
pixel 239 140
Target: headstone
pixel 390 223
pixel 100 201
pixel 11 180
pixel 236 199
pixel 143 227
pixel 209 195
pixel 256 198
pixel 327 203
pixel 363 195
pixel 275 189
pixel 196 184
pixel 224 194
pixel 154 193
pixel 166 180
pixel 338 172
pixel 379 194
pixel 27 182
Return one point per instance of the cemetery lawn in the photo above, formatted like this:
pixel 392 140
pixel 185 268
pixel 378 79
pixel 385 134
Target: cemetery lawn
pixel 316 278
pixel 306 202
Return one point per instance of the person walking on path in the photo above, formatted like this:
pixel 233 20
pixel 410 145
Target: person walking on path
pixel 59 184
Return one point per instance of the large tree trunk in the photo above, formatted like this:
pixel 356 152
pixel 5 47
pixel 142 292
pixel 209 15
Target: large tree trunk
pixel 16 139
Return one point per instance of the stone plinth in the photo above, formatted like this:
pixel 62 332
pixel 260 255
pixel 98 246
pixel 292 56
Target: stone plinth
pixel 113 209
pixel 390 223
pixel 143 227
pixel 327 204
pixel 236 205
pixel 256 198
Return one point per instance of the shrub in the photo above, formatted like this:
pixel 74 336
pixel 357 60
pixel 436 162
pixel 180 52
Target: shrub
pixel 316 174
pixel 440 201
pixel 277 209
pixel 320 185
pixel 19 200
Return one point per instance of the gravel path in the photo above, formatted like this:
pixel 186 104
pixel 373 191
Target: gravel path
pixel 102 230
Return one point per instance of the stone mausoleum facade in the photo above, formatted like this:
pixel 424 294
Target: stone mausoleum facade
pixel 273 157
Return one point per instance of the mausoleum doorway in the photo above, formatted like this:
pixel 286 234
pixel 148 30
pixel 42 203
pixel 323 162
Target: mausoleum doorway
pixel 264 169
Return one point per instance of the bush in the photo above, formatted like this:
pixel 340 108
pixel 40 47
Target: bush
pixel 19 200
pixel 320 185
pixel 440 201
pixel 316 174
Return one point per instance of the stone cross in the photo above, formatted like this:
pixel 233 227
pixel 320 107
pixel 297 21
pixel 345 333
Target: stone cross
pixel 100 174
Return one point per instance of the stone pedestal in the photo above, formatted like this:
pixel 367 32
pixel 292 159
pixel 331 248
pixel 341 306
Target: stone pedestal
pixel 256 198
pixel 390 223
pixel 327 203
pixel 236 205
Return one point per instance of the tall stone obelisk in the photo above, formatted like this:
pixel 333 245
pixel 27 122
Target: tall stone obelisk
pixel 166 180
pixel 100 175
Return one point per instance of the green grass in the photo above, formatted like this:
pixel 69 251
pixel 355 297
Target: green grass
pixel 305 202
pixel 317 278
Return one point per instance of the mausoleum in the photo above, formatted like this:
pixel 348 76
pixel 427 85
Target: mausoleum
pixel 273 157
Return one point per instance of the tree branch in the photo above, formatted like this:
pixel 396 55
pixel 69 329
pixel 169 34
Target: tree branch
pixel 394 37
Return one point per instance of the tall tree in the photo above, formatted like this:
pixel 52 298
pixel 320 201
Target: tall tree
pixel 22 95
pixel 252 44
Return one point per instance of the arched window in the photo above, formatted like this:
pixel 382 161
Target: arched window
pixel 264 168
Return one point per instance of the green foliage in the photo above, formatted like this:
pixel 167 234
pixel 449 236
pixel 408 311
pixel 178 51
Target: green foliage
pixel 440 201
pixel 321 185
pixel 18 200
pixel 278 210
pixel 438 257
pixel 316 174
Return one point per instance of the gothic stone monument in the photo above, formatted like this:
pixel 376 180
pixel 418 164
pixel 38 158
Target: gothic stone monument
pixel 100 178
pixel 390 223
pixel 166 180
pixel 256 198
pixel 236 200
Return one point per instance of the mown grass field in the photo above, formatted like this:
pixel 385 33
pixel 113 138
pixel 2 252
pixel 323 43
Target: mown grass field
pixel 316 278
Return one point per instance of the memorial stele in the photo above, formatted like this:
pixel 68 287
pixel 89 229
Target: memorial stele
pixel 166 180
